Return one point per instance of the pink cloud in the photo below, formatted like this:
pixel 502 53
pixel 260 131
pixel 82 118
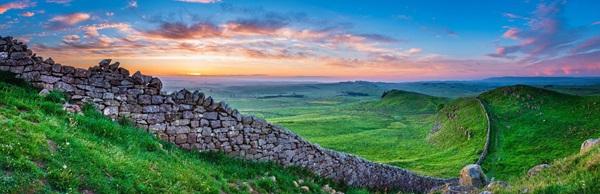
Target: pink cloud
pixel 587 64
pixel 511 33
pixel 14 5
pixel 63 21
pixel 27 14
pixel 71 19
pixel 92 30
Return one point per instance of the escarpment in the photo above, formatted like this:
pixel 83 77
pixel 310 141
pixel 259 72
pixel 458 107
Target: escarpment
pixel 194 121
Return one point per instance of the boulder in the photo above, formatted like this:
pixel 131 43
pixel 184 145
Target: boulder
pixel 114 67
pixel 472 175
pixel 44 93
pixel 155 83
pixel 537 169
pixel 111 111
pixel 588 144
pixel 138 78
pixel 105 63
pixel 72 108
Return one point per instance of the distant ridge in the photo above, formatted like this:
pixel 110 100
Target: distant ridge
pixel 543 80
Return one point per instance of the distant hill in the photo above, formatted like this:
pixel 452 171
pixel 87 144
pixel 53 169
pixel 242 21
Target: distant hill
pixel 534 125
pixel 543 80
pixel 404 101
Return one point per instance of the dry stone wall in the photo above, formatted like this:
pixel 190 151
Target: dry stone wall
pixel 194 121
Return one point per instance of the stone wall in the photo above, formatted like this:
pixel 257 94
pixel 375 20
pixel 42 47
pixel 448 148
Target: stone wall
pixel 486 146
pixel 194 121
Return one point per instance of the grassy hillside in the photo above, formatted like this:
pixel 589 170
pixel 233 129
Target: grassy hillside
pixel 43 149
pixel 534 126
pixel 578 173
pixel 461 123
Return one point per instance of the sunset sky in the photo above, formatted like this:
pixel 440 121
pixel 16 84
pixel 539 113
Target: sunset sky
pixel 337 39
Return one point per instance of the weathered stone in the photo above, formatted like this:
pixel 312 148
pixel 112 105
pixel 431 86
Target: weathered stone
pixel 49 79
pixel 156 128
pixel 138 78
pixel 108 96
pixel 537 169
pixel 104 63
pixel 181 122
pixel 215 124
pixel 155 83
pixel 156 118
pixel 145 99
pixel 472 175
pixel 18 55
pixel 157 99
pixel 188 115
pixel 57 68
pixel 114 67
pixel 181 138
pixel 111 111
pixel 178 129
pixel 44 92
pixel 151 109
pixel 211 115
pixel 589 144
pixel 72 108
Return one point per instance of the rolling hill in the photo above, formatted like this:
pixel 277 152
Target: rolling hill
pixel 532 126
pixel 404 101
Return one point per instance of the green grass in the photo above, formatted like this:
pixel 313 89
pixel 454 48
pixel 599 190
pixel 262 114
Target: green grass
pixel 577 173
pixel 461 124
pixel 46 150
pixel 533 126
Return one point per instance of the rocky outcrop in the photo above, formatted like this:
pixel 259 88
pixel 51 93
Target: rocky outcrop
pixel 194 121
pixel 537 169
pixel 588 144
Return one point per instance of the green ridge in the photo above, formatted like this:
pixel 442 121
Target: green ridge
pixel 532 126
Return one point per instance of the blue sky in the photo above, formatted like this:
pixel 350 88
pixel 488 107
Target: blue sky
pixel 373 40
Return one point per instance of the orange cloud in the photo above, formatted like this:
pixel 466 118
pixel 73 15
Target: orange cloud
pixel 92 30
pixel 14 5
pixel 71 19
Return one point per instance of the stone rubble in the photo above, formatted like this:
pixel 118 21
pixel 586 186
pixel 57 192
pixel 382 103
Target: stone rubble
pixel 194 121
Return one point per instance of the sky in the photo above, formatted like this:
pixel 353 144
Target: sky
pixel 400 40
